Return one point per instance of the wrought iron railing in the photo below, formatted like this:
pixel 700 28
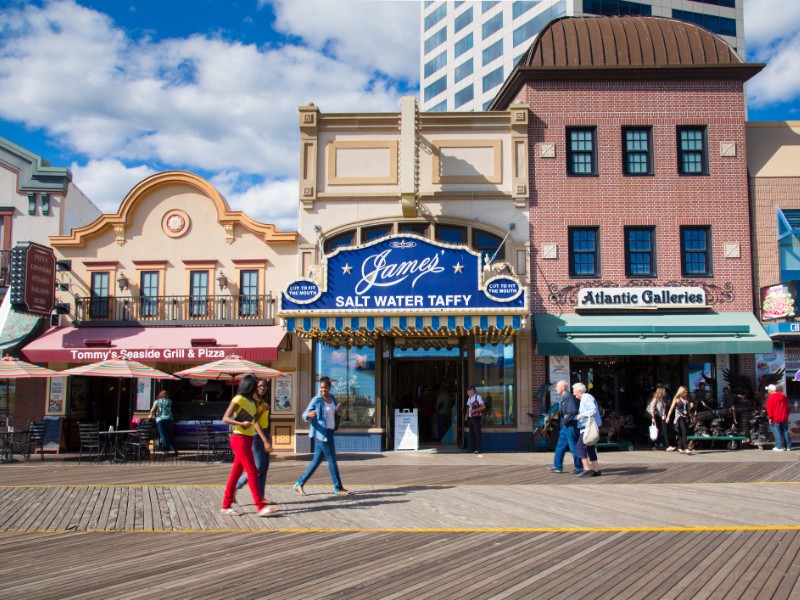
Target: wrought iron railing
pixel 162 310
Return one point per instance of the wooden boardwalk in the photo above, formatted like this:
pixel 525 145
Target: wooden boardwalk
pixel 655 525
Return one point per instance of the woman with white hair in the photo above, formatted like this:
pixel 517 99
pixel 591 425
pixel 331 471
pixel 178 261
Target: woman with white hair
pixel 587 408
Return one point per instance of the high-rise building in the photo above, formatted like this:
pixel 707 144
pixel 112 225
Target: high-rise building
pixel 468 48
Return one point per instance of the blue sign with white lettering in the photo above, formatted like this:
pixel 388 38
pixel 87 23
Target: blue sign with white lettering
pixel 404 273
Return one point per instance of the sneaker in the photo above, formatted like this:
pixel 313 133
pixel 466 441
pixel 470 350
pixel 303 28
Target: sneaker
pixel 776 449
pixel 576 471
pixel 554 470
pixel 671 449
pixel 596 473
pixel 476 451
pixel 586 473
pixel 267 511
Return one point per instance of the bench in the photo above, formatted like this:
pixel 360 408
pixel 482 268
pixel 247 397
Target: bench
pixel 733 441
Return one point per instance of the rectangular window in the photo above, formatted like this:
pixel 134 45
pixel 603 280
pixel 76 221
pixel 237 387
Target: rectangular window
pixel 450 234
pixel 352 373
pixel 583 252
pixel 248 293
pixel 435 64
pixel 493 79
pixel 495 377
pixel 437 15
pixel 98 295
pixel 789 243
pixel 581 151
pixel 464 96
pixel 525 32
pixel 463 70
pixel 487 5
pixel 462 20
pixel 148 287
pixel 725 3
pixel 198 293
pixel 441 107
pixel 493 52
pixel 695 251
pixel 492 25
pixel 612 8
pixel 714 23
pixel 436 40
pixel 637 151
pixel 639 252
pixel 463 45
pixel 520 8
pixel 436 88
pixel 692 152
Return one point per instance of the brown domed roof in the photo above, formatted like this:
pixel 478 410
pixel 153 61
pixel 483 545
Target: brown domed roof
pixel 624 48
pixel 626 42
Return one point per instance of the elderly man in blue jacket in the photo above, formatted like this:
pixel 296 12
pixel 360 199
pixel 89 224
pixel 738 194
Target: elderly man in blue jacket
pixel 568 431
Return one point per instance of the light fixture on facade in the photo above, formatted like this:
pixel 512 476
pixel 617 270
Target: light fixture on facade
pixel 222 281
pixel 122 282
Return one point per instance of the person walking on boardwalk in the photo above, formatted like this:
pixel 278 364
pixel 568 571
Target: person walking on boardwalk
pixel 262 441
pixel 587 408
pixel 475 408
pixel 243 414
pixel 162 411
pixel 321 414
pixel 658 416
pixel 680 406
pixel 778 415
pixel 568 430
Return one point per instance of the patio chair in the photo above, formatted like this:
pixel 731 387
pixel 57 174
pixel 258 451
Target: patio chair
pixel 27 442
pixel 138 444
pixel 211 445
pixel 91 442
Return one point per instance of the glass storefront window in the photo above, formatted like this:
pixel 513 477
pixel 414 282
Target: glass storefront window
pixel 493 376
pixel 701 367
pixel 352 373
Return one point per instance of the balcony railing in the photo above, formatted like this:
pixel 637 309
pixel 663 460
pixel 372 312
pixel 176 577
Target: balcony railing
pixel 175 310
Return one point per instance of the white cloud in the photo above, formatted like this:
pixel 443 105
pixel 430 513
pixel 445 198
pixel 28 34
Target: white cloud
pixel 772 37
pixel 768 20
pixel 276 200
pixel 198 103
pixel 376 35
pixel 106 182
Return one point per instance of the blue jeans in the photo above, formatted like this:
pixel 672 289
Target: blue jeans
pixel 166 430
pixel 261 458
pixel 567 436
pixel 781 433
pixel 328 449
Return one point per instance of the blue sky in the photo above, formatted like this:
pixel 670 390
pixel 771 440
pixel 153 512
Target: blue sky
pixel 117 90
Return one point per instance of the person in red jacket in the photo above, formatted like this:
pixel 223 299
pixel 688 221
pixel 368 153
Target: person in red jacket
pixel 778 415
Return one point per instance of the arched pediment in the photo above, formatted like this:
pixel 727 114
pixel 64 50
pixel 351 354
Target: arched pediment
pixel 226 217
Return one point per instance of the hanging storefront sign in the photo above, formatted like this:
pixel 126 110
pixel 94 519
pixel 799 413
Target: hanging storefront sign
pixel 33 279
pixel 656 297
pixel 778 301
pixel 408 274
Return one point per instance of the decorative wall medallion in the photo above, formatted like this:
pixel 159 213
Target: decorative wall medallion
pixel 175 223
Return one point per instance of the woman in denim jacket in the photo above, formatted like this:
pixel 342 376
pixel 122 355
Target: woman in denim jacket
pixel 321 414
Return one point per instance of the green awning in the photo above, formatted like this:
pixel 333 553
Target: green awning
pixel 572 334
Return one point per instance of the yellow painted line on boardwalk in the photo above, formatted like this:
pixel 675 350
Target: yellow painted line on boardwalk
pixel 367 487
pixel 436 530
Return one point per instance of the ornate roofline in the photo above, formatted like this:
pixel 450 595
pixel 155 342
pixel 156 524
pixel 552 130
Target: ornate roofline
pixel 123 217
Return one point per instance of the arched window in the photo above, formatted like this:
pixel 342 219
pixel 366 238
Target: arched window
pixel 348 238
pixel 487 244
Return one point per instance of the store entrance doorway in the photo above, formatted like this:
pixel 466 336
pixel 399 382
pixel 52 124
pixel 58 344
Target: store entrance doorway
pixel 427 374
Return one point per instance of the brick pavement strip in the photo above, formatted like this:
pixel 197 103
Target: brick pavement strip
pixel 418 527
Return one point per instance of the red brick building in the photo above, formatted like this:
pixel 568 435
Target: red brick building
pixel 640 233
